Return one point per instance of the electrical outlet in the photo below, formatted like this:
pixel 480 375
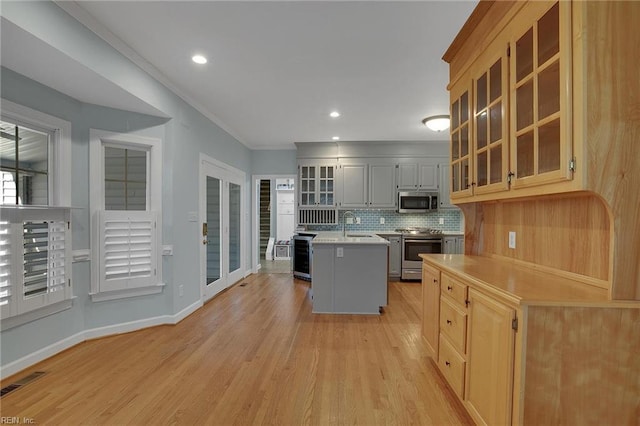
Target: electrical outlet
pixel 382 221
pixel 357 220
pixel 441 221
pixel 339 252
pixel 512 239
pixel 349 220
pixel 181 290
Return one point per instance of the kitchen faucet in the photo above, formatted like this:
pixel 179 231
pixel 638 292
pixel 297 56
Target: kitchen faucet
pixel 344 221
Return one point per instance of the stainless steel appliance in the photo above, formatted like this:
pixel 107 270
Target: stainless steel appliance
pixel 417 202
pixel 414 242
pixel 302 255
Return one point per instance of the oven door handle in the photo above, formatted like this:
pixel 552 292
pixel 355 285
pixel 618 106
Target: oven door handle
pixel 424 240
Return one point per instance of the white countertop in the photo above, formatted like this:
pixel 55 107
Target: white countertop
pixel 352 237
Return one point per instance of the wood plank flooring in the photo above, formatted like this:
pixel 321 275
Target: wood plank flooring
pixel 255 354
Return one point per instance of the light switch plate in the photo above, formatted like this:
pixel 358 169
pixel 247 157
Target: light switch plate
pixel 382 221
pixel 349 220
pixel 441 221
pixel 357 220
pixel 512 239
pixel 339 251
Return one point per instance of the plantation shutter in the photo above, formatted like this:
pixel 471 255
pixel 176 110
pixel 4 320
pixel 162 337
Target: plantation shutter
pixel 6 295
pixel 128 245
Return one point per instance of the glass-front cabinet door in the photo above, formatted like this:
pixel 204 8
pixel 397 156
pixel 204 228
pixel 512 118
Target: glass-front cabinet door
pixel 317 185
pixel 490 141
pixel 541 147
pixel 461 166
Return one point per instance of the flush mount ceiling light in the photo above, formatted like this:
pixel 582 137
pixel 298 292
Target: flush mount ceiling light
pixel 199 59
pixel 334 114
pixel 437 123
pixel 336 138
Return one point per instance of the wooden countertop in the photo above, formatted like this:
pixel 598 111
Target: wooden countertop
pixel 518 284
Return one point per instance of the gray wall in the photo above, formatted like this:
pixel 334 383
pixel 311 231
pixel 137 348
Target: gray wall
pixel 274 162
pixel 185 135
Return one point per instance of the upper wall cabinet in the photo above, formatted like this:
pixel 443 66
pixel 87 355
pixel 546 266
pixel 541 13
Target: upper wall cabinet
pixel 511 107
pixel 382 185
pixel 353 185
pixel 422 176
pixel 317 184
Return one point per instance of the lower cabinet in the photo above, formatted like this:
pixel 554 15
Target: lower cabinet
pixel 431 308
pixel 395 255
pixel 490 360
pixel 453 244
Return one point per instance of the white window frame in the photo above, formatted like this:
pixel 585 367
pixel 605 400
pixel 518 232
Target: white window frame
pixel 98 139
pixel 59 194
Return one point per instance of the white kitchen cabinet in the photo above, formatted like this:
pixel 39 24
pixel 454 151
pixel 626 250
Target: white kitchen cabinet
pixel 453 244
pixel 317 184
pixel 444 189
pixel 353 185
pixel 421 176
pixel 382 185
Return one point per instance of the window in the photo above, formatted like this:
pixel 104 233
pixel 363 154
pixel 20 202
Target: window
pixel 126 184
pixel 35 224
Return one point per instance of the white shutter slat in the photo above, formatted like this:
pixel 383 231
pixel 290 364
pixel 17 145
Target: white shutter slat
pixel 5 268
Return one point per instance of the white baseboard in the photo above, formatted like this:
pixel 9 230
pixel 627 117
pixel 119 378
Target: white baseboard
pixel 64 344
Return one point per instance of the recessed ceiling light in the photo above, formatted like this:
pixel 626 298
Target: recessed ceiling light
pixel 199 59
pixel 334 114
pixel 336 138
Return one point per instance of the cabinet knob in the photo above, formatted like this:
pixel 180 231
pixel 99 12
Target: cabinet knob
pixel 435 281
pixel 449 322
pixel 447 363
pixel 449 288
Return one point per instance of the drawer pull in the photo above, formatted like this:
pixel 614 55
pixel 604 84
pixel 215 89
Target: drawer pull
pixel 435 281
pixel 449 288
pixel 449 322
pixel 447 363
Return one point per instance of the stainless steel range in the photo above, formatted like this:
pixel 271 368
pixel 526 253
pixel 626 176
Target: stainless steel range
pixel 414 242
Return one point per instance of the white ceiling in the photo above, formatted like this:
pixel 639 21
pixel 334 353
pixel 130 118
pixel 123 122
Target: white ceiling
pixel 276 69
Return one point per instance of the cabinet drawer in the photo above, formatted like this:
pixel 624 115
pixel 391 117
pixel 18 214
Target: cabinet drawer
pixel 453 324
pixel 454 289
pixel 452 366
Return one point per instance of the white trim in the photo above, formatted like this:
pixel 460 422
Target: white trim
pixel 126 292
pixel 35 314
pixel 64 344
pixel 255 203
pixel 97 140
pixel 60 190
pixel 83 255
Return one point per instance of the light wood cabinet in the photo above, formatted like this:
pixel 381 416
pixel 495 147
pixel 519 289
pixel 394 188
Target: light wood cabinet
pixel 490 359
pixel 431 308
pixel 518 346
pixel 511 108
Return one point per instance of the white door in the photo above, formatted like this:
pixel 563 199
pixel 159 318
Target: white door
pixel 221 192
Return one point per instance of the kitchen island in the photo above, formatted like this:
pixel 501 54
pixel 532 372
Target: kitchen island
pixel 349 273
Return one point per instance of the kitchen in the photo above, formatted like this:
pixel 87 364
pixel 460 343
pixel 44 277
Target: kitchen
pixel 607 235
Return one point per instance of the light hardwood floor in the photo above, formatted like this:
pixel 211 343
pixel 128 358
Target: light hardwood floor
pixel 255 354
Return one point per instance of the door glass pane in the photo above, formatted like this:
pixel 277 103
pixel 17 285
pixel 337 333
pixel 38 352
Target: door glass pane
pixel 524 154
pixel 495 122
pixel 481 99
pixel 524 105
pixel 481 130
pixel 482 168
pixel 214 246
pixel 455 146
pixel 548 35
pixel 464 141
pixel 549 91
pixel 549 147
pixel 495 158
pixel 234 227
pixel 455 177
pixel 464 165
pixel 495 81
pixel 455 116
pixel 524 55
pixel 464 107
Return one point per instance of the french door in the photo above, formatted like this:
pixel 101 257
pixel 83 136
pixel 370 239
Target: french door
pixel 221 194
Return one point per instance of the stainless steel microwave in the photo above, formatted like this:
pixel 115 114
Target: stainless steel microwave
pixel 417 202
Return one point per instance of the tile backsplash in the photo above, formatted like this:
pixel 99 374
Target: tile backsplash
pixel 370 220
